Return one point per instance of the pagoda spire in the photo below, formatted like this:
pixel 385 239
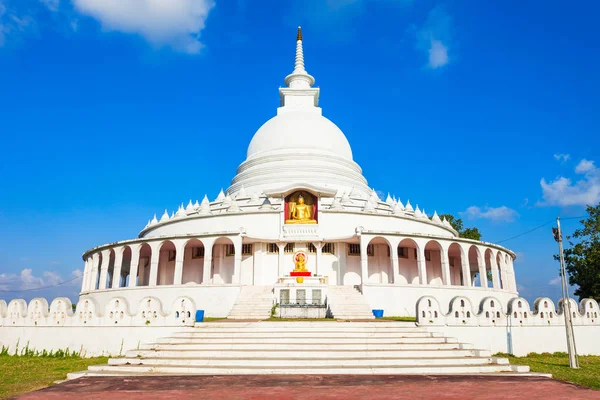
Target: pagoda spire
pixel 299 78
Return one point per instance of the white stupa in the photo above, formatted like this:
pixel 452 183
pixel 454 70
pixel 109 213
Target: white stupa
pixel 247 239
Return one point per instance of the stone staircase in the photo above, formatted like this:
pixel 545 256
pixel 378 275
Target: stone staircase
pixel 253 302
pixel 304 348
pixel 346 302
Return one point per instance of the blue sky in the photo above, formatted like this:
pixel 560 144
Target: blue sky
pixel 111 111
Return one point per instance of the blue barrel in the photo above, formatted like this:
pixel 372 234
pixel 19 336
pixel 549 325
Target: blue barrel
pixel 199 315
pixel 378 313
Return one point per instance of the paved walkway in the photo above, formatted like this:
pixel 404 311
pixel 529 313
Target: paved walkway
pixel 314 387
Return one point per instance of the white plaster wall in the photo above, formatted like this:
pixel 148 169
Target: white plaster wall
pixel 352 275
pixel 89 340
pixel 401 300
pixel 521 340
pixel 258 224
pixel 333 224
pixel 193 268
pixel 215 300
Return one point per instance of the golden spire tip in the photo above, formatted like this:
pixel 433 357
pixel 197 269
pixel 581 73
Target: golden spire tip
pixel 299 36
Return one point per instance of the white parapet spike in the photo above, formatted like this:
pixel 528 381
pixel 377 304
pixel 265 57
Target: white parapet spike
pixel 205 206
pixel 221 196
pixel 154 220
pixel 242 193
pixel 409 207
pixel 165 216
pixel 436 218
pixel 266 205
pixel 346 198
pixel 418 212
pixel 398 209
pixel 234 207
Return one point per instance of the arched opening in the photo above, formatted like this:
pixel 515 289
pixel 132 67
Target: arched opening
pixel 433 263
pixel 166 263
pixel 111 268
pixel 223 261
pixel 488 268
pixel 407 262
pixel 143 277
pixel 193 262
pixel 125 267
pixel 474 257
pixel 379 261
pixel 500 273
pixel 455 258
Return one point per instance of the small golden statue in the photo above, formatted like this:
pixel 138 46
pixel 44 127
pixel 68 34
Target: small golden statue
pixel 300 263
pixel 300 213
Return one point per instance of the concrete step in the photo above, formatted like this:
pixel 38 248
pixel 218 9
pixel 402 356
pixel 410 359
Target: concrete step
pixel 308 354
pixel 301 340
pixel 301 335
pixel 265 362
pixel 309 370
pixel 304 346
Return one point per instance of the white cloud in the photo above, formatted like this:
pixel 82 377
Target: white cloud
pixel 584 166
pixel 564 192
pixel 438 54
pixel 26 280
pixel 556 281
pixel 15 18
pixel 562 157
pixel 52 5
pixel 495 214
pixel 176 23
pixel 435 37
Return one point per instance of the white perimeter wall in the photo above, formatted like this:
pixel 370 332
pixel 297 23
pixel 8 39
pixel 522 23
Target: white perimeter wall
pixel 90 341
pixel 522 340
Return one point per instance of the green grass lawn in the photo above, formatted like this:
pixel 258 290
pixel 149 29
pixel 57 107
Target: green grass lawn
pixel 19 374
pixel 402 319
pixel 557 364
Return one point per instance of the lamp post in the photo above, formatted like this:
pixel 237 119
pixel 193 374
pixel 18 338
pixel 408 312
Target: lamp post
pixel 573 361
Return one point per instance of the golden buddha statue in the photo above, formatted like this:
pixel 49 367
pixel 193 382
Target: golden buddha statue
pixel 300 263
pixel 300 213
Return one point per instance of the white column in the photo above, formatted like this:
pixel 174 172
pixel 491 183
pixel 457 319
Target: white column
pixel 494 266
pixel 133 267
pixel 117 268
pixel 482 269
pixel 342 251
pixel 280 259
pixel 466 269
pixel 179 256
pixel 422 264
pixel 258 262
pixel 447 280
pixel 155 246
pixel 237 260
pixel 319 247
pixel 364 259
pixel 503 278
pixel 104 269
pixel 513 279
pixel 208 259
pixel 395 263
pixel 87 272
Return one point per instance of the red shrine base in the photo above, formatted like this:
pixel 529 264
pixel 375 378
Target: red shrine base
pixel 307 273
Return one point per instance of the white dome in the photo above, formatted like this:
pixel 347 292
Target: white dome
pixel 300 130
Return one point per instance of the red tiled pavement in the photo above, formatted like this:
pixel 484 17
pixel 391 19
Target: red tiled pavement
pixel 314 387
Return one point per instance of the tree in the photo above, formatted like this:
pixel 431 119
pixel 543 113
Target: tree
pixel 457 224
pixel 582 258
